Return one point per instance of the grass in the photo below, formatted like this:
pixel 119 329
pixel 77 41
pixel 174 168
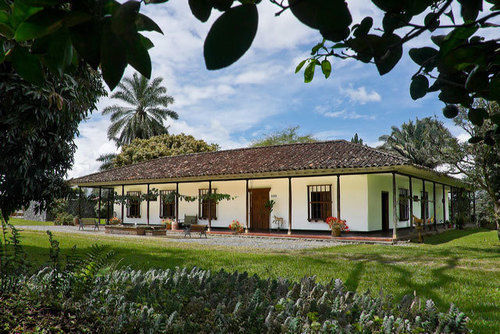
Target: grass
pixel 460 267
pixel 23 222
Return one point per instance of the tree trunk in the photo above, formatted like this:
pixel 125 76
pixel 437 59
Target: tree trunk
pixel 497 216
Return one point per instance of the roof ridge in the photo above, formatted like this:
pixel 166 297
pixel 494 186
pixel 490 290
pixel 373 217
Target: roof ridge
pixel 378 150
pixel 209 152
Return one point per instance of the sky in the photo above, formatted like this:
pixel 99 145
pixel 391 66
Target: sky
pixel 260 93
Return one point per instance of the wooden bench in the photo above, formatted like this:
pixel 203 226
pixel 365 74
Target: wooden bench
pixel 202 229
pixel 88 221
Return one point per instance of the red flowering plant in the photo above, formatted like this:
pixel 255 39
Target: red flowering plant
pixel 115 221
pixel 337 225
pixel 236 226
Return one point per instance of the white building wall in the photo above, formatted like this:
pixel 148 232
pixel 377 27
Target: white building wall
pixel 360 197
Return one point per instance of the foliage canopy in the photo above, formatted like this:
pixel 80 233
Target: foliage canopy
pixel 161 146
pixel 287 136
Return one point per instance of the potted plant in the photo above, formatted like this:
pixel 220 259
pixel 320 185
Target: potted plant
pixel 168 223
pixel 236 227
pixel 337 226
pixel 115 221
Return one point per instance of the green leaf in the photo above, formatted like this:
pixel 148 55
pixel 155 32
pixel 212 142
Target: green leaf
pixel 326 68
pixel 475 140
pixel 364 27
pixel 300 65
pixel 40 24
pixel 309 72
pixel 221 5
pixel 146 42
pixel 6 30
pixel 86 40
pixel 60 51
pixel 138 57
pixel 450 111
pixel 388 53
pixel 425 57
pixel 331 17
pixel 495 118
pixel 476 116
pixel 27 65
pixel 230 36
pixel 419 86
pixel 124 18
pixel 431 21
pixel 393 21
pixel 144 23
pixel 477 79
pixel 113 57
pixel 201 9
pixel 470 9
pixel 495 88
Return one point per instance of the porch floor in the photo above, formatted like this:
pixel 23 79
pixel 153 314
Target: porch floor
pixel 404 234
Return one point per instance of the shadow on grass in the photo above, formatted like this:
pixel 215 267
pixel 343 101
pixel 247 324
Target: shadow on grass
pixel 449 236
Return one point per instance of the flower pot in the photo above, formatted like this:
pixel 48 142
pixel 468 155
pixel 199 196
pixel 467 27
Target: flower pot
pixel 336 232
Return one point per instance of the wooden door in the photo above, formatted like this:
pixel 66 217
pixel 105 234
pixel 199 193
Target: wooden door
pixel 259 213
pixel 385 211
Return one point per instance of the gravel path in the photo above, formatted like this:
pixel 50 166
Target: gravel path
pixel 214 240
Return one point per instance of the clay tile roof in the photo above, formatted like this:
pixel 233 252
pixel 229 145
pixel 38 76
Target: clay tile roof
pixel 292 157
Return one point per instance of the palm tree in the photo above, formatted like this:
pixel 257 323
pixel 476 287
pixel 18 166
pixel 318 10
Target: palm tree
pixel 143 118
pixel 107 161
pixel 419 141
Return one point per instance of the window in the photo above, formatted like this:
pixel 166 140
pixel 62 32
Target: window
pixel 404 207
pixel 206 204
pixel 424 206
pixel 167 204
pixel 133 204
pixel 320 202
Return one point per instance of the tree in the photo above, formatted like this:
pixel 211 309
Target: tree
pixel 107 161
pixel 287 136
pixel 37 128
pixel 143 118
pixel 479 163
pixel 161 146
pixel 419 141
pixel 356 139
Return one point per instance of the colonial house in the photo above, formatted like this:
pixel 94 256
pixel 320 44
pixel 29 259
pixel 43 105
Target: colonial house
pixel 304 184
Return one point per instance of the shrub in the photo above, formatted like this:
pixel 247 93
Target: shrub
pixel 64 218
pixel 182 300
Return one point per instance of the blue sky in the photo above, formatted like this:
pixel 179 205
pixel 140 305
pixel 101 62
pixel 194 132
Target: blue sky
pixel 261 93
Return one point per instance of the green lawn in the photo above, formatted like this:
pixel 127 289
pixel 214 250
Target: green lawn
pixel 24 222
pixel 461 267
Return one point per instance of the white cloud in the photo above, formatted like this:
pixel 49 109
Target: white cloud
pixel 361 95
pixel 342 114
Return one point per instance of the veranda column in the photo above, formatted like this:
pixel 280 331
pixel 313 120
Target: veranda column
pixel 423 204
pixel 209 205
pixel 434 202
pixel 444 205
pixel 411 201
pixel 176 202
pixel 394 207
pixel 107 202
pixel 99 206
pixel 123 200
pixel 452 211
pixel 246 206
pixel 147 206
pixel 338 196
pixel 79 202
pixel 289 205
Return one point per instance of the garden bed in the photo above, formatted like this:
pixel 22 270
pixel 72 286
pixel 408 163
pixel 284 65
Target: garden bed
pixel 135 230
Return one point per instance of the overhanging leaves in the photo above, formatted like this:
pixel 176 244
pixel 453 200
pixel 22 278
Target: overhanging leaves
pixel 201 9
pixel 331 17
pixel 419 86
pixel 230 36
pixel 27 65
